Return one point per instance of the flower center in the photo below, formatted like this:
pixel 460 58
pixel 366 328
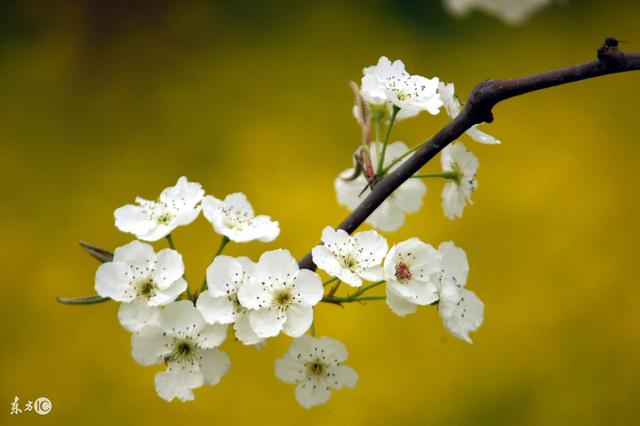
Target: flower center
pixel 349 261
pixel 183 349
pixel 315 368
pixel 164 218
pixel 147 288
pixel 283 298
pixel 403 272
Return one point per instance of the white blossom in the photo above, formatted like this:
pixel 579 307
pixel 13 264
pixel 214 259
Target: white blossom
pixel 219 304
pixel 234 218
pixel 315 366
pixel 457 191
pixel 460 309
pixel 389 83
pixel 407 198
pixel 280 295
pixel 409 270
pixel 510 11
pixel 187 345
pixel 136 274
pixel 453 106
pixel 151 220
pixel 351 258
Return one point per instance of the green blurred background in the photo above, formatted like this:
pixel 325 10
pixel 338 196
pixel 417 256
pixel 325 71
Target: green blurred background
pixel 103 101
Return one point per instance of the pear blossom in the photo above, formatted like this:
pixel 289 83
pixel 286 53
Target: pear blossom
pixel 453 106
pixel 137 273
pixel 409 271
pixel 234 218
pixel 510 11
pixel 351 258
pixel 388 83
pixel 315 366
pixel 219 304
pixel 407 198
pixel 460 309
pixel 457 191
pixel 187 345
pixel 280 295
pixel 152 220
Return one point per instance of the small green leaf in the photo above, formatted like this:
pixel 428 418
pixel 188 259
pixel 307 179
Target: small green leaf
pixel 99 253
pixel 87 300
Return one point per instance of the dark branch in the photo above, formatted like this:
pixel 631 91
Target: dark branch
pixel 479 109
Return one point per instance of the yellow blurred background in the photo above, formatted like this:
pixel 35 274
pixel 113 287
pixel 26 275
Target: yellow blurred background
pixel 103 101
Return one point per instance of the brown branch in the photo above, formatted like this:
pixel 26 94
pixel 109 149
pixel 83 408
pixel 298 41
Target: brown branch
pixel 479 109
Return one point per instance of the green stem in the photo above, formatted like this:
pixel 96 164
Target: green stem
pixel 394 113
pixel 350 299
pixel 367 288
pixel 312 329
pixel 223 243
pixel 329 281
pixel 400 158
pixel 446 175
pixel 170 241
pixel 334 289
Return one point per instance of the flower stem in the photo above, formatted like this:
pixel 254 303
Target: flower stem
pixel 223 243
pixel 367 288
pixel 334 289
pixel 349 299
pixel 446 175
pixel 394 113
pixel 170 241
pixel 312 329
pixel 400 158
pixel 329 281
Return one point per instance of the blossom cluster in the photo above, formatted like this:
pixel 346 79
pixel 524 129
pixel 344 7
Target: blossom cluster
pixel 183 328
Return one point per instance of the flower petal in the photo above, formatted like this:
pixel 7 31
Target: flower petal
pixel 218 310
pixel 213 364
pixel 299 319
pixel 150 345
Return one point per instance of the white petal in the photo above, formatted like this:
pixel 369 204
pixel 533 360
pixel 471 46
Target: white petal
pixel 213 364
pixel 344 376
pixel 466 317
pixel 408 197
pixel 268 229
pixel 253 294
pixel 136 314
pixel 131 218
pixel 387 217
pixel 178 381
pixel 266 322
pixel 334 239
pixel 373 245
pixel 276 263
pixel 325 260
pixel 398 304
pixel 334 350
pixel 169 267
pixel 211 336
pixel 224 275
pixel 244 332
pixel 299 319
pixel 150 345
pixel 307 287
pixel 238 201
pixel 169 294
pixel 112 282
pixel 311 393
pixel 135 253
pixel 219 309
pixel 454 262
pixel 290 370
pixel 182 317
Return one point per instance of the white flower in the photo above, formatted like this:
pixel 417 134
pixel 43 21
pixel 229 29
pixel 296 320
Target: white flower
pixel 461 310
pixel 315 366
pixel 151 220
pixel 280 295
pixel 219 303
pixel 457 192
pixel 187 344
pixel 407 198
pixel 388 82
pixel 351 258
pixel 234 219
pixel 511 11
pixel 409 270
pixel 453 106
pixel 138 273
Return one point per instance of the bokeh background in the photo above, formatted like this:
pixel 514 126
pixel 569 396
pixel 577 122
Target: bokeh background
pixel 105 100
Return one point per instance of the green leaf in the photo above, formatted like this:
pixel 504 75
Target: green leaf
pixel 87 300
pixel 99 253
